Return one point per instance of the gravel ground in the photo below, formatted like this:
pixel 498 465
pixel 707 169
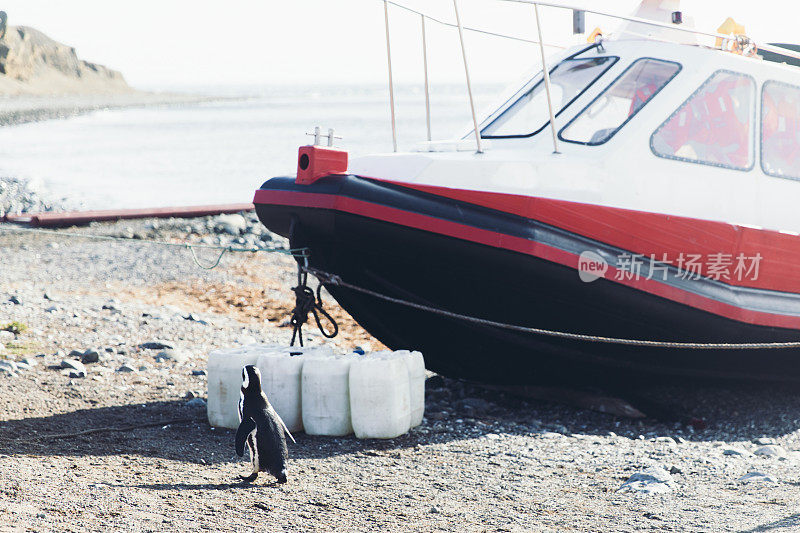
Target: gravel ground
pixel 483 460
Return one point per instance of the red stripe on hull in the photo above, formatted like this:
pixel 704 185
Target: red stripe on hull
pixel 517 244
pixel 647 233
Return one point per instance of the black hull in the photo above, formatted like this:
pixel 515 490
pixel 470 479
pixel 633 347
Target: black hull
pixel 514 288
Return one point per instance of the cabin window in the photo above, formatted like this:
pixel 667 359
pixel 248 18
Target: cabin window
pixel 528 114
pixel 620 102
pixel 780 130
pixel 714 126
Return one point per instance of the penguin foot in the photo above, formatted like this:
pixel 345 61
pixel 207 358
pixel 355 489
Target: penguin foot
pixel 250 478
pixel 281 479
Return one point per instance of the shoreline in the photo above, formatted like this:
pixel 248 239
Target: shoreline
pixel 21 109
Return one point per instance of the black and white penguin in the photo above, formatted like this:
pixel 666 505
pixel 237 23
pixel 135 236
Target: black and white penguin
pixel 261 428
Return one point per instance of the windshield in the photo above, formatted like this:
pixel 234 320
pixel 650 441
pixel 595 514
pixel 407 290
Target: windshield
pixel 528 114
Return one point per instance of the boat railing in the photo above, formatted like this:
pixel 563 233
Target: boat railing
pixel 721 43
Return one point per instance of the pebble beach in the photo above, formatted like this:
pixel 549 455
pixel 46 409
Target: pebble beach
pixel 103 425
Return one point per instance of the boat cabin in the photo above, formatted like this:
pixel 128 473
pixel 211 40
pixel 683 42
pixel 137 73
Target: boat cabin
pixel 647 125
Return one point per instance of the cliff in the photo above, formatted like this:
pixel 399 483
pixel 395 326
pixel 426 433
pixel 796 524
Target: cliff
pixel 31 63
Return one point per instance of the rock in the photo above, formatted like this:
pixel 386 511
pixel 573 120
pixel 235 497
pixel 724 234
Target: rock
pixel 476 405
pixel 171 355
pixel 675 470
pixel 75 353
pixel 38 63
pixel 31 362
pixel 654 480
pixel 110 307
pixel 770 451
pixel 434 510
pixel 246 340
pixel 433 382
pixel 72 364
pixel 15 300
pixel 51 309
pixel 77 374
pixel 116 340
pixel 756 477
pixel 191 317
pixel 196 402
pixel 156 345
pixel 231 224
pixel 8 367
pixel 198 372
pixel 765 441
pixel 733 451
pixel 126 368
pixel 90 356
pixel 22 365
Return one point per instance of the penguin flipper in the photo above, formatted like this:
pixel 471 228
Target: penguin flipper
pixel 245 428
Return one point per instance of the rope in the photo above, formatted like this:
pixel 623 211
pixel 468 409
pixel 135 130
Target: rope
pixel 333 279
pixel 475 30
pixel 307 302
pixel 295 252
pixel 214 265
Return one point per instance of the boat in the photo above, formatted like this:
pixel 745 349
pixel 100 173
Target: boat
pixel 640 225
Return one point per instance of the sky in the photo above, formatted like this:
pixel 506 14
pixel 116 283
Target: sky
pixel 174 43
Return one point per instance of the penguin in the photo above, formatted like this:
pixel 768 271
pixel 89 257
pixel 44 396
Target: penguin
pixel 261 428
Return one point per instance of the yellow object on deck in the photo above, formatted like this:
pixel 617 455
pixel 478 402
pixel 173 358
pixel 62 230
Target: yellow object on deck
pixel 735 30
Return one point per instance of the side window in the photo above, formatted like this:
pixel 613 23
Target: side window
pixel 780 130
pixel 615 106
pixel 714 126
pixel 529 114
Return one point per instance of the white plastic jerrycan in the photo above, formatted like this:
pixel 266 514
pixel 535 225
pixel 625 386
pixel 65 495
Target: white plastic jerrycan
pixel 281 373
pixel 416 382
pixel 325 394
pixel 225 383
pixel 380 395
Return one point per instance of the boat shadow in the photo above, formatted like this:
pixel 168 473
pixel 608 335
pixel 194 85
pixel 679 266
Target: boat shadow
pixel 455 410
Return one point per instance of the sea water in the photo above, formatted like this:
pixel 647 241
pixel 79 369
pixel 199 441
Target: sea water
pixel 218 151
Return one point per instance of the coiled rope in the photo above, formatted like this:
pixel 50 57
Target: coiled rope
pixel 307 302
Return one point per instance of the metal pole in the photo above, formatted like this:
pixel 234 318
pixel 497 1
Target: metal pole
pixel 546 82
pixel 427 93
pixel 391 84
pixel 469 85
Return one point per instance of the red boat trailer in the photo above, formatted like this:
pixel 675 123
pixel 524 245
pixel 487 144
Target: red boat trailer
pixel 52 219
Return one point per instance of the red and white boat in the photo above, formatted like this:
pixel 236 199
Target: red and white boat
pixel 669 214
